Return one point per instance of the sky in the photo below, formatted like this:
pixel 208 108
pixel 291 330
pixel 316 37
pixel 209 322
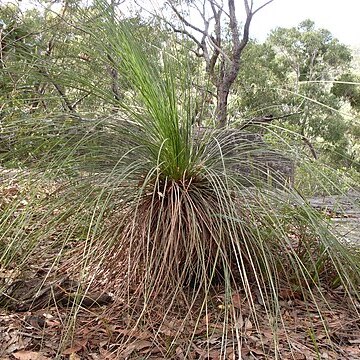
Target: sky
pixel 340 17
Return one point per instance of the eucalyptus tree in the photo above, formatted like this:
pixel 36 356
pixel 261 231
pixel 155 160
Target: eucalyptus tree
pixel 17 51
pixel 298 76
pixel 219 41
pixel 38 44
pixel 313 58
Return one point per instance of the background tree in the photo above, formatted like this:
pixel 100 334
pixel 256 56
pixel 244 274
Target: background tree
pixel 293 73
pixel 219 42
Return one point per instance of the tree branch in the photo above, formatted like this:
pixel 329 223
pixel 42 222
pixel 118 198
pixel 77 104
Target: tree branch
pixel 185 32
pixel 184 21
pixel 310 145
pixel 266 119
pixel 262 6
pixel 77 102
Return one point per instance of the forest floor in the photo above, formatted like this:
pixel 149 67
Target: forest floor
pixel 36 335
pixel 108 330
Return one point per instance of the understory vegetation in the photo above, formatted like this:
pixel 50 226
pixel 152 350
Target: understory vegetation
pixel 142 235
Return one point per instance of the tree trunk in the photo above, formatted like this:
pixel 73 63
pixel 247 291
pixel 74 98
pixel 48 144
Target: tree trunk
pixel 221 107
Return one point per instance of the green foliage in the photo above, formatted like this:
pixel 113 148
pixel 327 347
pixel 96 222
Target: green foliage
pixel 304 71
pixel 347 87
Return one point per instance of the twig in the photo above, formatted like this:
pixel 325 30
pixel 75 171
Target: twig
pixel 266 119
pixel 310 145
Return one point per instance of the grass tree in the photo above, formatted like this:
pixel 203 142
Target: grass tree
pixel 162 218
